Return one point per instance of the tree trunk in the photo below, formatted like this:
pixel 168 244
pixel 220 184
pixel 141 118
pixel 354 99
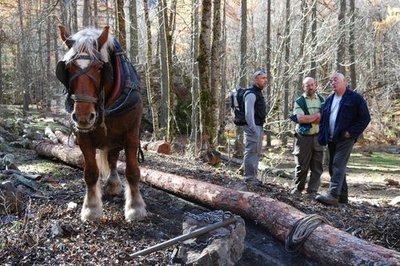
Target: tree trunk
pixel 352 52
pixel 152 95
pixel 313 72
pixel 222 121
pixel 86 14
pixel 304 25
pixel 195 78
pixel 268 59
pixel 341 48
pixel 215 74
pixel 169 30
pixel 206 99
pixel 326 244
pixel 120 23
pixel 243 44
pixel 134 38
pixel 239 147
pixel 164 66
pixel 286 74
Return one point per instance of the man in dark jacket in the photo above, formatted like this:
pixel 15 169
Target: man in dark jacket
pixel 344 117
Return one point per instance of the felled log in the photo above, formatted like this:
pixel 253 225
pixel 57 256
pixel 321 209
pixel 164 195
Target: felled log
pixel 159 146
pixel 326 244
pixel 70 155
pixel 68 140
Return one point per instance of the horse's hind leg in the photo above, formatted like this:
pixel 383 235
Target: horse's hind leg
pixel 92 208
pixel 113 184
pixel 135 208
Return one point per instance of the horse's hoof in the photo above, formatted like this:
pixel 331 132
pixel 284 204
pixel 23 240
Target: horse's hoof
pixel 137 214
pixel 91 214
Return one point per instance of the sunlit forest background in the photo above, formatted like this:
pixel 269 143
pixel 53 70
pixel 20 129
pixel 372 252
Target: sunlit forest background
pixel 190 54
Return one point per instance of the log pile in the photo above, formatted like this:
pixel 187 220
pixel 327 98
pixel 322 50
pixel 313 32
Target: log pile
pixel 326 244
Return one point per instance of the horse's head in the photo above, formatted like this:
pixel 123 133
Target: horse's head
pixel 85 71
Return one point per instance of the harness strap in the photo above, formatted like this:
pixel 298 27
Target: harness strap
pixel 83 98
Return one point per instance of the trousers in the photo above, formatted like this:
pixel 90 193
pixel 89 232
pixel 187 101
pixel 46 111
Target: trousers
pixel 308 156
pixel 252 151
pixel 339 154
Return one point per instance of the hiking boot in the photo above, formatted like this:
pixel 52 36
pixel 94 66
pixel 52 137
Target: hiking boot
pixel 327 199
pixel 343 199
pixel 253 181
pixel 295 192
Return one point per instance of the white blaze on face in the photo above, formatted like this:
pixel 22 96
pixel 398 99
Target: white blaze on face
pixel 83 63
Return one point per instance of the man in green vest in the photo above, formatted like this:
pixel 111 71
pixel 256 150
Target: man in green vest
pixel 308 153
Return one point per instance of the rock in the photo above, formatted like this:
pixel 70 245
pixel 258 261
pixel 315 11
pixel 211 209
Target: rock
pixel 395 201
pixel 223 246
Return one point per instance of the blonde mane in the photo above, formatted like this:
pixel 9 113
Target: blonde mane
pixel 85 42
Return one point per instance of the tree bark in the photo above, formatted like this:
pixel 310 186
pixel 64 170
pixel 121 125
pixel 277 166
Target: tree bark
pixel 341 40
pixel 326 244
pixel 153 97
pixel 352 41
pixel 207 124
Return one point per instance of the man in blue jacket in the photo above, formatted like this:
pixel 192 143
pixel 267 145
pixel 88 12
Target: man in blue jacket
pixel 344 117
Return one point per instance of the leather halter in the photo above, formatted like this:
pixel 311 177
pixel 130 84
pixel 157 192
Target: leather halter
pixel 85 98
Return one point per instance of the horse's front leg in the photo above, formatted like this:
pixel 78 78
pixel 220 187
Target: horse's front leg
pixel 92 208
pixel 135 208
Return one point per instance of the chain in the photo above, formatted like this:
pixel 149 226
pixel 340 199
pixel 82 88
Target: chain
pixel 209 218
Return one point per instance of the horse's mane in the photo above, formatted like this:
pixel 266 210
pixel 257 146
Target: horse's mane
pixel 85 41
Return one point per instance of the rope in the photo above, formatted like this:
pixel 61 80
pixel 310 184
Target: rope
pixel 301 230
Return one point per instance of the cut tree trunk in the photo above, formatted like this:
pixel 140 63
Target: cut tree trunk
pixel 159 146
pixel 326 244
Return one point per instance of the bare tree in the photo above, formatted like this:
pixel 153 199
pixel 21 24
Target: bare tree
pixel 195 76
pixel 120 23
pixel 341 48
pixel 133 26
pixel 152 95
pixel 206 99
pixel 268 62
pixel 286 72
pixel 352 51
pixel 215 74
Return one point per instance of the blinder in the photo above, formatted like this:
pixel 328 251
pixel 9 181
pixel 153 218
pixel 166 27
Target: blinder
pixel 62 74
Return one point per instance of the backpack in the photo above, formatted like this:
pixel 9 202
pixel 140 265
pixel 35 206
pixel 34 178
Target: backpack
pixel 237 106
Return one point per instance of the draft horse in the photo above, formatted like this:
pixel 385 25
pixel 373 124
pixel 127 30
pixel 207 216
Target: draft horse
pixel 103 97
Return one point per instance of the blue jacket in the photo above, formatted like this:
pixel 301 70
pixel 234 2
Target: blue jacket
pixel 353 116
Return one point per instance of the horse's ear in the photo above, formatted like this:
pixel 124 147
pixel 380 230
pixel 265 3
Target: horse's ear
pixel 65 36
pixel 103 37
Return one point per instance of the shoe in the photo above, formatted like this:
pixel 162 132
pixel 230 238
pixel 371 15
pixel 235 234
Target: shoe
pixel 327 199
pixel 253 181
pixel 295 192
pixel 343 199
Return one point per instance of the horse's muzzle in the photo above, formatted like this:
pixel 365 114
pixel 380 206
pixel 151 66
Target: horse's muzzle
pixel 84 122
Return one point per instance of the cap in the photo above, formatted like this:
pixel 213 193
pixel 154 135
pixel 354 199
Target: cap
pixel 258 72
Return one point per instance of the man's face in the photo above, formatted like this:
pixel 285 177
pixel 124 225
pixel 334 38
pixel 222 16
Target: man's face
pixel 309 86
pixel 261 81
pixel 338 83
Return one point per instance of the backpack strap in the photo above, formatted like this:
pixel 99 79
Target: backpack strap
pixel 301 101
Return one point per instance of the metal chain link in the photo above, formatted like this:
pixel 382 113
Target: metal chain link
pixel 209 218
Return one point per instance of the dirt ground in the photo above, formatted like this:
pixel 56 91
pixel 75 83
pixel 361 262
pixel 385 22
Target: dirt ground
pixel 49 231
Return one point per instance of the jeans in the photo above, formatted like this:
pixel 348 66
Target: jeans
pixel 339 154
pixel 252 151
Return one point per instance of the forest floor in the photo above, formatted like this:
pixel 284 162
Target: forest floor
pixel 49 231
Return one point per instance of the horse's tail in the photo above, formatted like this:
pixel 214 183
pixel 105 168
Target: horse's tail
pixel 102 163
